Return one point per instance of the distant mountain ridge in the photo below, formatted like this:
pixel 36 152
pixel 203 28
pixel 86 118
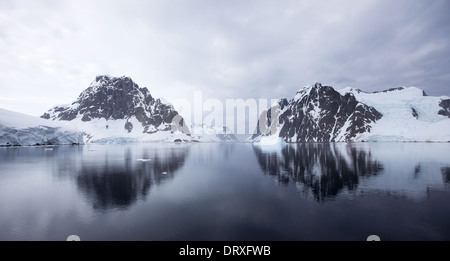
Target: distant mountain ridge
pixel 117 110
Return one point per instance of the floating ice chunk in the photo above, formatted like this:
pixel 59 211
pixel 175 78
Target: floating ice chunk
pixel 144 160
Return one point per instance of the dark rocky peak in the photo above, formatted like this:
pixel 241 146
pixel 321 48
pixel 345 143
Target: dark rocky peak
pixel 114 86
pixel 309 88
pixel 106 80
pixel 117 98
pixel 319 113
pixel 319 96
pixel 312 92
pixel 107 97
pixel 283 103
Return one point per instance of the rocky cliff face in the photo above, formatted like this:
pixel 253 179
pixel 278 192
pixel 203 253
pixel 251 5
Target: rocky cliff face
pixel 445 105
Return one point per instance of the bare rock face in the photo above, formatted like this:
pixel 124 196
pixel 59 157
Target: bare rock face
pixel 445 111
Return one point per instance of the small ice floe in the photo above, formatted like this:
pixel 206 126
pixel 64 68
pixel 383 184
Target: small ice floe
pixel 144 160
pixel 164 173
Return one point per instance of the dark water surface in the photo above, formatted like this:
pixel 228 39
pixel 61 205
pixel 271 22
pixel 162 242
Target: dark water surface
pixel 153 191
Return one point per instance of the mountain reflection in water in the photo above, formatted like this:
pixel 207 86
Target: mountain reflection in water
pixel 325 170
pixel 123 177
pixel 210 191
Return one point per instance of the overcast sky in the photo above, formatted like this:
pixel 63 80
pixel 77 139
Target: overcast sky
pixel 52 50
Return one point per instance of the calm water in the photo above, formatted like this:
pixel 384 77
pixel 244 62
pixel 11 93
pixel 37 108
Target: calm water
pixel 398 191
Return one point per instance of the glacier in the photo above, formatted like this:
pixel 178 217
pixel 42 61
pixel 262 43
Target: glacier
pixel 408 115
pixel 17 129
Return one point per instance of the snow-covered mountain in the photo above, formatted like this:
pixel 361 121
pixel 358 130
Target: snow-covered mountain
pixel 115 109
pixel 321 114
pixel 24 130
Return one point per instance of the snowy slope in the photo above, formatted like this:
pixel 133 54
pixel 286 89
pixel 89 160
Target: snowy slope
pixel 113 131
pixel 408 115
pixel 22 129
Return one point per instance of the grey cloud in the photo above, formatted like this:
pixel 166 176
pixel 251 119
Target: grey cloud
pixel 228 49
